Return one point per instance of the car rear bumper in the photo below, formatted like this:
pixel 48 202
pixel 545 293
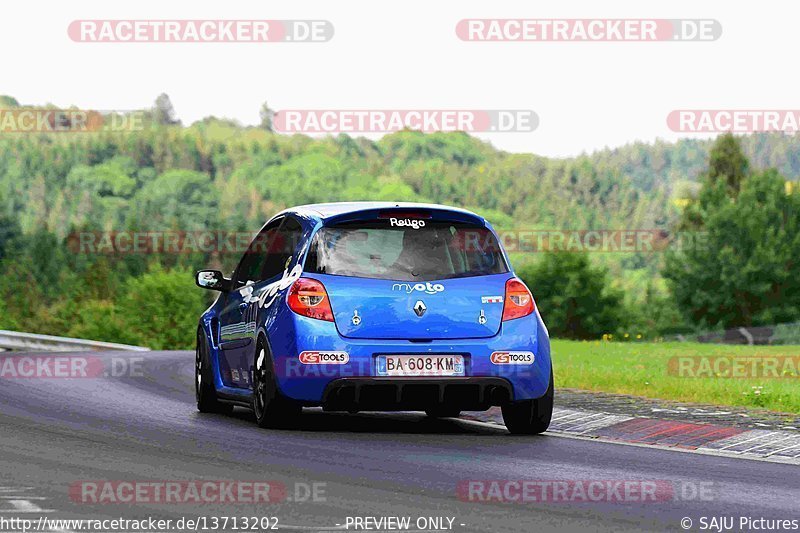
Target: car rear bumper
pixel 412 394
pixel 318 384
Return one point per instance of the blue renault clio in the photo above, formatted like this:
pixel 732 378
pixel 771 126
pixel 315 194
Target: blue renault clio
pixel 370 306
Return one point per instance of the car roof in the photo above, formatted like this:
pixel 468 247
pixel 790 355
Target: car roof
pixel 336 209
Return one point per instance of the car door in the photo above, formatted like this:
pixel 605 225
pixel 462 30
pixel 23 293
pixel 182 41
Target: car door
pixel 238 317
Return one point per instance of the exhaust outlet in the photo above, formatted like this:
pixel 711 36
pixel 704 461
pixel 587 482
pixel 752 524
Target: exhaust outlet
pixel 497 395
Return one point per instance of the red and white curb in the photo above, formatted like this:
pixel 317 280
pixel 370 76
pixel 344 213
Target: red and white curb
pixel 775 446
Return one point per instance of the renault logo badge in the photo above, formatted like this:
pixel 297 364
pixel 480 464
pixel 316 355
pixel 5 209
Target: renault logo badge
pixel 419 308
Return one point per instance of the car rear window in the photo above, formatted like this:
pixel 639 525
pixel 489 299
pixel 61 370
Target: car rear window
pixel 425 250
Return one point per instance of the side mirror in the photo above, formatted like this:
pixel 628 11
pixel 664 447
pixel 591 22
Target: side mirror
pixel 212 280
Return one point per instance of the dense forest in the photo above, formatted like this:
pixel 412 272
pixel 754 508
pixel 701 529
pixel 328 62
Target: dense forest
pixel 216 174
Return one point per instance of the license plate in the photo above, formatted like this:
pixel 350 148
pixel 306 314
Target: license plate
pixel 420 365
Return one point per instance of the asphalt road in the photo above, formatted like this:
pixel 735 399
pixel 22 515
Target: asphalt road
pixel 56 433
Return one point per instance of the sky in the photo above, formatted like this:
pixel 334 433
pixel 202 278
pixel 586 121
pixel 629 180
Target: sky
pixel 406 55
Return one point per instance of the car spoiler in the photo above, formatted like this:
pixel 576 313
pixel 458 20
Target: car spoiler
pixel 415 212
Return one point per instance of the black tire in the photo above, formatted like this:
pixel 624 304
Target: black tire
pixel 530 417
pixel 204 391
pixel 270 408
pixel 443 412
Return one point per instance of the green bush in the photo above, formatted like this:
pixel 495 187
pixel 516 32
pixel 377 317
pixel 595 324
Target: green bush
pixel 100 320
pixel 7 320
pixel 161 309
pixel 574 298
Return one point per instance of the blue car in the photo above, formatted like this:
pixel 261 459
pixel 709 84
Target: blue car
pixel 374 306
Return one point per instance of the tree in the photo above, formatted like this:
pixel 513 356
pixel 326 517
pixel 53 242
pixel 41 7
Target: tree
pixel 101 192
pixel 177 199
pixel 8 101
pixel 43 257
pixel 266 114
pixel 10 234
pixel 728 163
pixel 737 272
pixel 574 297
pixel 163 112
pixel 743 271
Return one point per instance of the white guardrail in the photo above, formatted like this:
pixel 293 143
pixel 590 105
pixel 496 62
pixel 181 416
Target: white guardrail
pixel 31 342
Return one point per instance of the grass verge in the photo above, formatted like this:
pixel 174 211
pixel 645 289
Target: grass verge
pixel 765 377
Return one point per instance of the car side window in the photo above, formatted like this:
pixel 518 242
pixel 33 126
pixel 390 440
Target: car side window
pixel 282 248
pixel 256 257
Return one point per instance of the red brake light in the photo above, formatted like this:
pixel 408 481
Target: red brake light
pixel 518 301
pixel 308 297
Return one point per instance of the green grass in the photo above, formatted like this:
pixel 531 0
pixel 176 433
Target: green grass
pixel 643 369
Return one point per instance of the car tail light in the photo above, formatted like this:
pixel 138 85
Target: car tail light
pixel 518 301
pixel 307 297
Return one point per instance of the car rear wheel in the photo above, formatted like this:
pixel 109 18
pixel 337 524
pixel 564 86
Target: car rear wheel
pixel 271 409
pixel 204 391
pixel 442 412
pixel 530 417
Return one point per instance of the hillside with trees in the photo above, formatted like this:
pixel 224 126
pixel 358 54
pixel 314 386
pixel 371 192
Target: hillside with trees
pixel 218 175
